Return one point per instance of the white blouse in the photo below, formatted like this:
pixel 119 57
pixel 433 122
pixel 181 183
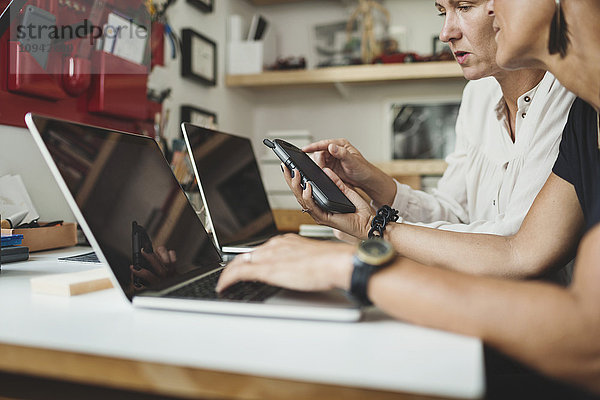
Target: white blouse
pixel 491 182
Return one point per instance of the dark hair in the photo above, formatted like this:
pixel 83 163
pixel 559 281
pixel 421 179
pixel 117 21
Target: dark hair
pixel 559 34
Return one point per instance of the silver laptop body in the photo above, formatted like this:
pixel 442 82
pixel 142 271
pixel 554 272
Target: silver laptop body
pixel 126 198
pixel 231 187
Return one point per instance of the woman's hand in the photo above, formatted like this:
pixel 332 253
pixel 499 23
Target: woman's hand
pixel 353 169
pixel 293 262
pixel 162 263
pixel 356 224
pixel 343 159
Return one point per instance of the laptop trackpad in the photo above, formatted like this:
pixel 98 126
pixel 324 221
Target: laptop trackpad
pixel 330 298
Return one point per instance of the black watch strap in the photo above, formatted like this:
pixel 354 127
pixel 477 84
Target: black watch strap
pixel 360 279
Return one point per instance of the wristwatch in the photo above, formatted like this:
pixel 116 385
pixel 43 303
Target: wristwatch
pixel 371 255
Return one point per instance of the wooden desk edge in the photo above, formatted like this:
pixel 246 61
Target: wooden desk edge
pixel 171 380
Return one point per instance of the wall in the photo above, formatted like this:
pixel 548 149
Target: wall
pixel 20 155
pixel 361 116
pixel 234 110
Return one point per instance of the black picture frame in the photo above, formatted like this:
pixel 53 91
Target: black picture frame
pixel 199 58
pixel 203 5
pixel 198 116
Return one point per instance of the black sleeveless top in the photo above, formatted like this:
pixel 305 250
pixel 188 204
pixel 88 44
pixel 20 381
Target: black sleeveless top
pixel 578 161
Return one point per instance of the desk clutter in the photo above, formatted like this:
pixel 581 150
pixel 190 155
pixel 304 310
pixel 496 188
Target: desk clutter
pixel 21 227
pixel 11 249
pixel 46 236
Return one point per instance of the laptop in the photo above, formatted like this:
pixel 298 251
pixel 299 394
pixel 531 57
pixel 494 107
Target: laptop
pixel 231 187
pixel 126 198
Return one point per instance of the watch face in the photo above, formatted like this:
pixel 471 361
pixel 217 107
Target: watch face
pixel 375 247
pixel 375 251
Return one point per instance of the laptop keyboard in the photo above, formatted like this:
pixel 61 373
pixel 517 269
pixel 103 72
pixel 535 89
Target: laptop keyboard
pixel 86 258
pixel 248 292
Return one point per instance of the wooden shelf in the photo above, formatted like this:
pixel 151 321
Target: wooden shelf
pixel 413 167
pixel 349 74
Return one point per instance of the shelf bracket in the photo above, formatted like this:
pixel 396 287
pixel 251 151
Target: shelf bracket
pixel 342 89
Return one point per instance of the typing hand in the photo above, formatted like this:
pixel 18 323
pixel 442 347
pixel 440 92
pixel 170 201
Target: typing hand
pixel 293 262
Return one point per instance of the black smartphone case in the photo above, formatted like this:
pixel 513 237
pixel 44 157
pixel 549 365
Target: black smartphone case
pixel 326 194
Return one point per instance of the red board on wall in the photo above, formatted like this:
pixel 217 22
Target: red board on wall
pixel 105 97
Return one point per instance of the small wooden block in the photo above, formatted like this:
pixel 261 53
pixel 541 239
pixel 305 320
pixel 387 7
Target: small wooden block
pixel 72 284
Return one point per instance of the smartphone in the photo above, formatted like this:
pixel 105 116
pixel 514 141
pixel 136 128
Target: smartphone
pixel 324 191
pixel 140 241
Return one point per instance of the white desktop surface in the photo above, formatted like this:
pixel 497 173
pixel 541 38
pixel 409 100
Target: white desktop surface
pixel 377 353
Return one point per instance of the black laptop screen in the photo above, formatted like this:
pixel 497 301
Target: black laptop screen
pixel 130 200
pixel 232 186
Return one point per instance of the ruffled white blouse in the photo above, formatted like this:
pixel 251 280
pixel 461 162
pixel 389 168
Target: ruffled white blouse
pixel 491 182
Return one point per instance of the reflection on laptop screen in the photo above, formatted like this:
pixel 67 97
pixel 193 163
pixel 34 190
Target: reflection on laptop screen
pixel 130 200
pixel 232 186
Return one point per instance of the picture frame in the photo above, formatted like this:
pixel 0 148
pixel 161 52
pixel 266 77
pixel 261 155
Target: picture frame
pixel 199 116
pixel 423 129
pixel 205 6
pixel 199 58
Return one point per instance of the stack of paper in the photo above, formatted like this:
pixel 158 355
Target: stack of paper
pixel 316 231
pixel 14 199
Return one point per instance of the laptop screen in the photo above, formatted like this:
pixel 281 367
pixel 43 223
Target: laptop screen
pixel 130 200
pixel 232 186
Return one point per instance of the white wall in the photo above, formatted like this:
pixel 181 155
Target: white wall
pixel 20 155
pixel 234 110
pixel 293 22
pixel 360 117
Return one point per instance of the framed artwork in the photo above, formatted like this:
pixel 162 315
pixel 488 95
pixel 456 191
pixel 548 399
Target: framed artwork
pixel 203 5
pixel 423 130
pixel 199 61
pixel 198 116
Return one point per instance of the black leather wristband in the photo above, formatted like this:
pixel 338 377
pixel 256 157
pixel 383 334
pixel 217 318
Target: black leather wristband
pixel 360 279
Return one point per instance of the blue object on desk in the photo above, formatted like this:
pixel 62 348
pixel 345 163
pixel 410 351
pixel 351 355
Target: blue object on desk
pixel 11 240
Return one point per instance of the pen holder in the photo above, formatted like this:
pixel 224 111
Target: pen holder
pixel 245 58
pixel 118 87
pixel 26 76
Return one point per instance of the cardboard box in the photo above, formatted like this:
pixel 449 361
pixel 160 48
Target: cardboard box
pixel 52 237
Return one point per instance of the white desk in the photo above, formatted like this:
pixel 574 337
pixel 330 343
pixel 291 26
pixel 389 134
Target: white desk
pixel 99 338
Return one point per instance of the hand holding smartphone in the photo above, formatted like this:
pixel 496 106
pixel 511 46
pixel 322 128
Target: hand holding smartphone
pixel 140 242
pixel 324 191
